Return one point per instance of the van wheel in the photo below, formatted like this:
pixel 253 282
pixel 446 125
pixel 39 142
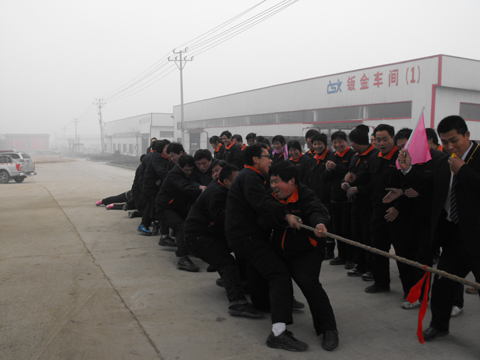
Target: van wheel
pixel 4 177
pixel 19 179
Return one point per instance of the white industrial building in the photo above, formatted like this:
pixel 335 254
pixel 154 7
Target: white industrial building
pixel 394 94
pixel 131 136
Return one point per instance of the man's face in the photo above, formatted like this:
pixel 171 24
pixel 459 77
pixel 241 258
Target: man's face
pixel 174 157
pixel 263 162
pixel 401 143
pixel 318 146
pixel 216 171
pixel 203 165
pixel 294 153
pixel 282 189
pixel 385 142
pixel 239 143
pixel 187 170
pixel 453 142
pixel 309 142
pixel 214 145
pixel 277 145
pixel 356 147
pixel 373 140
pixel 339 145
pixel 249 142
pixel 227 141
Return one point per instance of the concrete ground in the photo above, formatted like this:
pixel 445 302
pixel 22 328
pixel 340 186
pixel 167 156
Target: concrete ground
pixel 78 282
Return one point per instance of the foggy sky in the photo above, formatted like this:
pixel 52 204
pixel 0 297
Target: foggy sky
pixel 58 56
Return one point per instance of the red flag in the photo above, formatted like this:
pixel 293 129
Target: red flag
pixel 417 144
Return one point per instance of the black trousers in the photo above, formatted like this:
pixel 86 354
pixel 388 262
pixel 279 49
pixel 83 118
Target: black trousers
pixel 120 198
pixel 305 271
pixel 268 277
pixel 173 220
pixel 456 260
pixel 361 217
pixel 396 233
pixel 215 252
pixel 341 220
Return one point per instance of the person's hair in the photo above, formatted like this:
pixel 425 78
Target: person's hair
pixel 238 137
pixel 226 172
pixel 402 134
pixel 431 134
pixel 263 140
pixel 175 148
pixel 285 170
pixel 227 133
pixel 294 144
pixel 384 127
pixel 279 138
pixel 452 122
pixel 222 163
pixel 142 157
pixel 202 154
pixel 339 134
pixel 310 133
pixel 153 138
pixel 160 145
pixel 252 151
pixel 215 139
pixel 320 137
pixel 186 160
pixel 251 136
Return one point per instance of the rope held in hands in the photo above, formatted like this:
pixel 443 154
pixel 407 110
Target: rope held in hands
pixel 416 290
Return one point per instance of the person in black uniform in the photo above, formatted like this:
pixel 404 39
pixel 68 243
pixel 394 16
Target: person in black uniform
pixel 308 139
pixel 389 223
pixel 456 210
pixel 233 153
pixel 205 238
pixel 319 182
pixel 301 250
pixel 340 207
pixel 176 196
pixel 202 174
pixel 302 162
pixel 360 197
pixel 218 147
pixel 280 150
pixel 250 215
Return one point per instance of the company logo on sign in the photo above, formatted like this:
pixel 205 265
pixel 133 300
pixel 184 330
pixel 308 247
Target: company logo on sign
pixel 333 88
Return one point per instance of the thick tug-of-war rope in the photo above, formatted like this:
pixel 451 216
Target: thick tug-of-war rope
pixel 415 292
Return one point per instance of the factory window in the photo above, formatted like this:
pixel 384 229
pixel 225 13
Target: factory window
pixel 296 116
pixel 366 112
pixel 164 134
pixel 236 121
pixel 470 111
pixel 263 119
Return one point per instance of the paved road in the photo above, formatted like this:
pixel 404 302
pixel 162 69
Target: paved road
pixel 78 282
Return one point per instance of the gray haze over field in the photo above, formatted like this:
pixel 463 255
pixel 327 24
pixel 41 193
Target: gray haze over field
pixel 58 56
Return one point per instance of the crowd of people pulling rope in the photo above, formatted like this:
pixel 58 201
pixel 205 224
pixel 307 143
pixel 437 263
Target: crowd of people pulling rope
pixel 258 214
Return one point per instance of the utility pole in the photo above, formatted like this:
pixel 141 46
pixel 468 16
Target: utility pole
pixel 75 143
pixel 100 103
pixel 181 61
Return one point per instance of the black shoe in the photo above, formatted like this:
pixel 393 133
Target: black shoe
pixel 355 273
pixel 368 276
pixel 184 263
pixel 297 304
pixel 245 309
pixel 131 214
pixel 349 265
pixel 431 333
pixel 286 341
pixel 166 241
pixel 155 228
pixel 211 268
pixel 219 282
pixel 328 255
pixel 338 261
pixel 330 340
pixel 373 289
